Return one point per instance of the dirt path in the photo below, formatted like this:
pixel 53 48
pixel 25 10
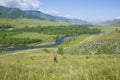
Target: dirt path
pixel 14 53
pixel 87 39
pixel 80 43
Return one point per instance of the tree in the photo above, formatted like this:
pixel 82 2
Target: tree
pixel 60 51
pixel 116 29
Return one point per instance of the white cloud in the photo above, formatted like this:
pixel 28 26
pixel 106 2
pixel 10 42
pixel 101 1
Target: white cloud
pixel 69 16
pixel 117 17
pixel 22 4
pixel 52 12
pixel 30 4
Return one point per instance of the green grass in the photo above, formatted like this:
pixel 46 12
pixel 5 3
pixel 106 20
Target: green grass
pixel 107 43
pixel 106 29
pixel 108 36
pixel 22 22
pixel 4 53
pixel 74 41
pixel 114 25
pixel 34 35
pixel 39 65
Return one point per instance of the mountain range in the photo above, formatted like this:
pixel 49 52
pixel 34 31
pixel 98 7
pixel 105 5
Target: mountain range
pixel 111 22
pixel 6 12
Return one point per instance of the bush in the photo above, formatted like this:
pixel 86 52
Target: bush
pixel 60 51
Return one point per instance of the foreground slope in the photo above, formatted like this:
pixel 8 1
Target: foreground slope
pixel 39 65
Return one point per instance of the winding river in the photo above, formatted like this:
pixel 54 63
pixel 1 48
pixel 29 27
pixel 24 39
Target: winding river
pixel 57 42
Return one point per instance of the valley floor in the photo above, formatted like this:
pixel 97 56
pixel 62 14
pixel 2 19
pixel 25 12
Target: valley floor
pixel 38 65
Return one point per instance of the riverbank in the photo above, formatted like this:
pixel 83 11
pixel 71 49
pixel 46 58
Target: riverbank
pixel 57 42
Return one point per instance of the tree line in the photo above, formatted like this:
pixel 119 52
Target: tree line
pixel 62 30
pixel 6 39
pixel 18 41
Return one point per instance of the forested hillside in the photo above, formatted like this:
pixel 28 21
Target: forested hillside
pixel 14 13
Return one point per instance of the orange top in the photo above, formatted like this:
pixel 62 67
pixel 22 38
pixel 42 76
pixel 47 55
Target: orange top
pixel 55 55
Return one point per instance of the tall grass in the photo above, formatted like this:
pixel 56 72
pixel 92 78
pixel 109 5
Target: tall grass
pixel 39 65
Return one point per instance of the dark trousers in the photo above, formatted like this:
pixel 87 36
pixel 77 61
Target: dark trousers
pixel 55 60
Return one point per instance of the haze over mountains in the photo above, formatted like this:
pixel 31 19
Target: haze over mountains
pixel 111 22
pixel 6 12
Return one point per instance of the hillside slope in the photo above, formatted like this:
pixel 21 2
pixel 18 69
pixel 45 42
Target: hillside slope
pixel 117 24
pixel 23 22
pixel 98 44
pixel 6 12
pixel 38 65
pixel 112 23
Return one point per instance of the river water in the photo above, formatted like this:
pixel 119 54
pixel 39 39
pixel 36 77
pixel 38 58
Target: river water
pixel 57 42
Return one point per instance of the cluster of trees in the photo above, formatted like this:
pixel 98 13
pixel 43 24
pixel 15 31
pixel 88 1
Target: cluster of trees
pixel 117 30
pixel 6 40
pixel 18 41
pixel 62 30
pixel 5 27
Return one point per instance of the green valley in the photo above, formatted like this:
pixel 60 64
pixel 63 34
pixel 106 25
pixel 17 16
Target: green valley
pixel 39 46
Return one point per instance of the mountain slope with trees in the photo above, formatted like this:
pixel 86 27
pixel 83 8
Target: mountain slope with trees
pixel 6 12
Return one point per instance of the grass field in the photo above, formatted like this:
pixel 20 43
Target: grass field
pixel 107 29
pixel 39 65
pixel 106 43
pixel 34 35
pixel 22 22
pixel 109 36
pixel 114 25
pixel 76 40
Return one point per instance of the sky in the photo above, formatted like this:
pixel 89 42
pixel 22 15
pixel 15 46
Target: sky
pixel 89 10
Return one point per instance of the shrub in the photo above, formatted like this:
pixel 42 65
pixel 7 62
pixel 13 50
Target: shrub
pixel 60 51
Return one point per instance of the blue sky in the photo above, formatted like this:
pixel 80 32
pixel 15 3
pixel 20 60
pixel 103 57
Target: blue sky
pixel 89 10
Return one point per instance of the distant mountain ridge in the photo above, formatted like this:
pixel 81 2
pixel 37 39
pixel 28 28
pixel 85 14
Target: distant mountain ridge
pixel 110 22
pixel 6 12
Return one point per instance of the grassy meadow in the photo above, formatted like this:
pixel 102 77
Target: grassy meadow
pixel 76 40
pixel 114 24
pixel 34 35
pixel 38 65
pixel 23 22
